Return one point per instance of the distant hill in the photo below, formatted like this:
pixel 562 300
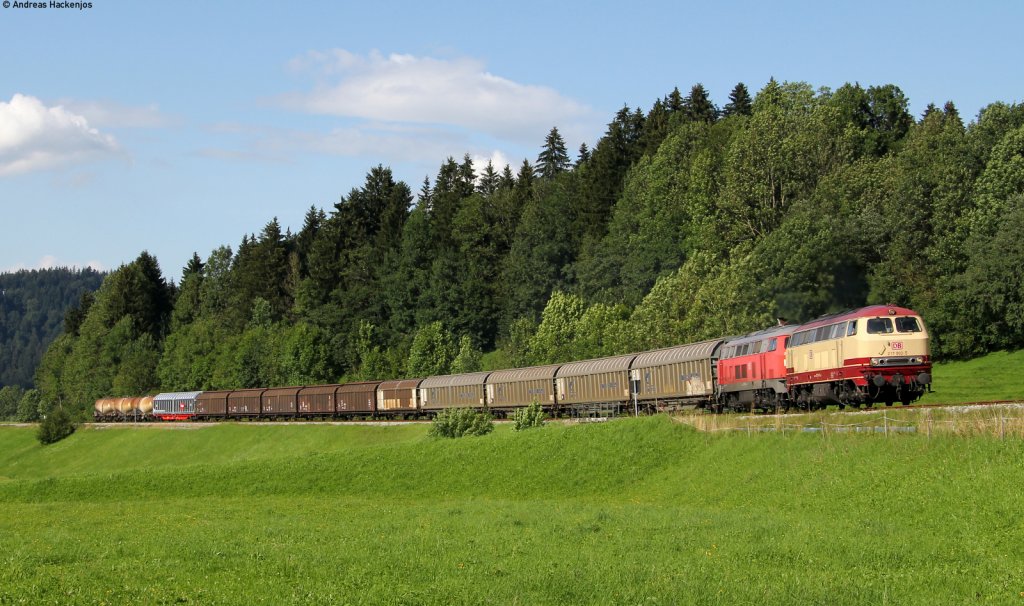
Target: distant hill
pixel 32 308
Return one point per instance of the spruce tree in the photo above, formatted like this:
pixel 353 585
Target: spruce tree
pixel 584 154
pixel 489 180
pixel 553 158
pixel 698 107
pixel 740 103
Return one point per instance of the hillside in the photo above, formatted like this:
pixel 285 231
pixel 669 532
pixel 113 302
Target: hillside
pixel 32 308
pixel 630 511
pixel 683 222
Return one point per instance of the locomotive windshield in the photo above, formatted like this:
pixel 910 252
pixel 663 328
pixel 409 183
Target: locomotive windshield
pixel 879 326
pixel 908 324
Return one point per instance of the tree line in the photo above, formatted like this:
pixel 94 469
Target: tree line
pixel 683 222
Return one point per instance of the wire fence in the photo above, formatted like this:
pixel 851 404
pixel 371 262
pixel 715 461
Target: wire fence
pixel 1003 421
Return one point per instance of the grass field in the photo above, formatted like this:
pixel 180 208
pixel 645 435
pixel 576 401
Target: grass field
pixel 634 511
pixel 995 377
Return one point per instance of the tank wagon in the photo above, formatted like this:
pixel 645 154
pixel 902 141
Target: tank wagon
pixel 865 356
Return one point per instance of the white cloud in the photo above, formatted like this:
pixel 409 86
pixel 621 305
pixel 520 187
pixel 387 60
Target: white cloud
pixel 50 262
pixel 424 90
pixel 36 137
pixel 111 114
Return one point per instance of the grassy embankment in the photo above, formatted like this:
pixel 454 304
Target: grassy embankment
pixel 998 376
pixel 631 511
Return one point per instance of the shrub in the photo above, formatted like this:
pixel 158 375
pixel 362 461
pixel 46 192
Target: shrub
pixel 531 416
pixel 458 422
pixel 55 427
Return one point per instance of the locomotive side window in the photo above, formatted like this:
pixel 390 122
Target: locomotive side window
pixel 852 330
pixel 879 326
pixel 907 324
pixel 771 344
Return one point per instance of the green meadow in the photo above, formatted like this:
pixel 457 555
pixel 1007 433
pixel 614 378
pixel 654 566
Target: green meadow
pixel 631 511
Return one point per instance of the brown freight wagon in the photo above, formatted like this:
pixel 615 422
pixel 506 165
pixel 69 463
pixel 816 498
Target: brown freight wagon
pixel 360 398
pixel 318 400
pixel 245 402
pixel 281 401
pixel 600 381
pixel 398 396
pixel 521 387
pixel 453 391
pixel 212 403
pixel 681 374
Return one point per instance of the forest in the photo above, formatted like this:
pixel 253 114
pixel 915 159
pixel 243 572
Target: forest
pixel 684 221
pixel 33 304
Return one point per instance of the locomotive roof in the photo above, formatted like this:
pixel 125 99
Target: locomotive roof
pixel 862 312
pixel 767 333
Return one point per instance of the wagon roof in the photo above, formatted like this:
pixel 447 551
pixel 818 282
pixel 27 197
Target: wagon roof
pixel 523 374
pixel 587 367
pixel 284 391
pixel 472 378
pixel 358 386
pixel 212 395
pixel 679 353
pixel 319 390
pixel 400 384
pixel 177 395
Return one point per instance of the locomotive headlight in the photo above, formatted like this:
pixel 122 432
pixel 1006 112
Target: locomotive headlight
pixel 875 361
pixel 916 360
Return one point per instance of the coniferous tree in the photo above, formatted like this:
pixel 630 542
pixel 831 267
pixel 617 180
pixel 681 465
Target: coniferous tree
pixel 584 154
pixel 553 158
pixel 489 180
pixel 698 106
pixel 740 103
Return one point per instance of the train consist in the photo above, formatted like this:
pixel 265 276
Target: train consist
pixel 876 354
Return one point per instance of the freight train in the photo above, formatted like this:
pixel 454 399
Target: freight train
pixel 875 354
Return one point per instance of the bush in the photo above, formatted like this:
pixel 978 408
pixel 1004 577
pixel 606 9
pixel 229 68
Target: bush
pixel 458 422
pixel 55 427
pixel 531 416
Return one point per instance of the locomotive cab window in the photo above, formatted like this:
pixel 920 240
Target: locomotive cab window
pixel 907 324
pixel 879 326
pixel 852 330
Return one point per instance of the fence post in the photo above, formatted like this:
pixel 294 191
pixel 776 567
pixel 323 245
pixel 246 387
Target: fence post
pixel 885 420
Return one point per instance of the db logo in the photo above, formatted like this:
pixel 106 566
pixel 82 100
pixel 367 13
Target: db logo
pixel 895 345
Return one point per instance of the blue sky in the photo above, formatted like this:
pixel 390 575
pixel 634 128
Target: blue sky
pixel 179 126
